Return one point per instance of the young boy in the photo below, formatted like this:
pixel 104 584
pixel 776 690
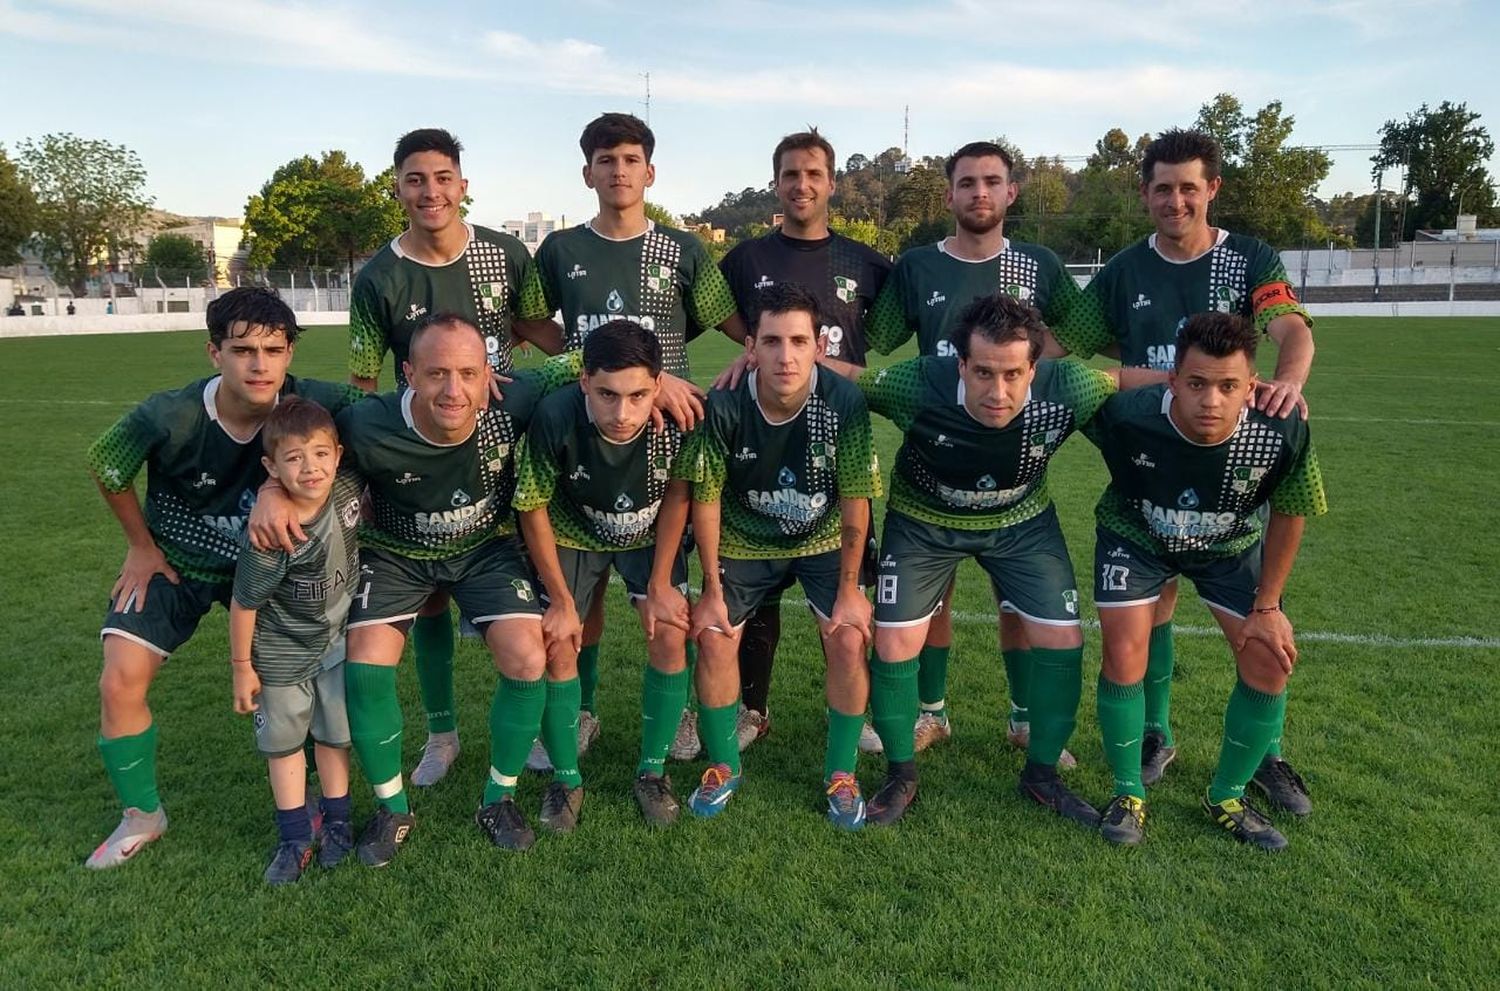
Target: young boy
pixel 286 636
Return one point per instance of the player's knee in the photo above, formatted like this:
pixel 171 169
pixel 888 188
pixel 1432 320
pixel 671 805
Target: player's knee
pixel 1261 671
pixel 845 646
pixel 120 684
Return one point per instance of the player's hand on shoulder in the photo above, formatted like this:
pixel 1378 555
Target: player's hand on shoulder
pixel 664 606
pixel 273 521
pixel 1277 397
pixel 246 687
pixel 681 400
pixel 730 377
pixel 710 615
pixel 141 563
pixel 498 383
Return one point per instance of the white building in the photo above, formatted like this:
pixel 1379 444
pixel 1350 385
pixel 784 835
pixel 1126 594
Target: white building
pixel 533 230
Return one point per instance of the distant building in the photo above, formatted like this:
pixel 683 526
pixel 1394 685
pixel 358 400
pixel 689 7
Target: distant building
pixel 220 238
pixel 533 230
pixel 708 232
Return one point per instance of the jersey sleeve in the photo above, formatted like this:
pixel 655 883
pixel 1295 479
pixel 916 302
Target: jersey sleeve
pixel 116 457
pixel 257 573
pixel 537 466
pixel 1086 329
pixel 551 375
pixel 708 300
pixel 730 267
pixel 332 396
pixel 1098 427
pixel 886 328
pixel 538 299
pixel 1271 294
pixel 1083 389
pixel 1063 298
pixel 894 392
pixel 858 464
pixel 1301 493
pixel 367 335
pixel 705 452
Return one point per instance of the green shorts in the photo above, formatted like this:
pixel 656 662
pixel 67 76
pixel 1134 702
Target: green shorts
pixel 1028 565
pixel 288 714
pixel 585 571
pixel 747 584
pixel 493 581
pixel 1128 575
pixel 171 615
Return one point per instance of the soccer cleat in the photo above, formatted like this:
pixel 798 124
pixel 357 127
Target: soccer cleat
pixel 892 800
pixel 467 630
pixel 1019 735
pixel 653 793
pixel 383 835
pixel 135 830
pixel 561 808
pixel 335 842
pixel 714 791
pixel 1282 786
pixel 1245 823
pixel 1049 792
pixel 751 725
pixel 686 745
pixel 290 860
pixel 846 806
pixel 588 730
pixel 1155 756
pixel 931 728
pixel 438 755
pixel 504 824
pixel 869 740
pixel 1124 821
pixel 538 760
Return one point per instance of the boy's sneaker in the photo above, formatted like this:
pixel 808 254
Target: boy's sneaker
pixel 1048 791
pixel 1282 786
pixel 1245 823
pixel 846 806
pixel 561 808
pixel 750 726
pixel 504 824
pixel 1124 821
pixel 135 830
pixel 1019 735
pixel 383 835
pixel 290 861
pixel 932 727
pixel 438 755
pixel 335 842
pixel 714 791
pixel 890 803
pixel 1155 756
pixel 869 740
pixel 686 745
pixel 653 793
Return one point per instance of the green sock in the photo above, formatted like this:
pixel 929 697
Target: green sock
pixel 1122 714
pixel 1273 749
pixel 893 706
pixel 842 753
pixel 1251 720
pixel 692 657
pixel 560 730
pixel 1056 684
pixel 432 645
pixel 588 675
pixel 375 729
pixel 663 697
pixel 131 764
pixel 1160 659
pixel 515 721
pixel 1018 676
pixel 932 678
pixel 716 730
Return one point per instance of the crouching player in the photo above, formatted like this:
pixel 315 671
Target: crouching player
pixel 286 636
pixel 591 478
pixel 1190 462
pixel 783 471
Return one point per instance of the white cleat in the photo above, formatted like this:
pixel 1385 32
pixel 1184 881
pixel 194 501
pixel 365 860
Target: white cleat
pixel 869 740
pixel 1019 735
pixel 438 755
pixel 686 745
pixel 135 830
pixel 750 726
pixel 588 732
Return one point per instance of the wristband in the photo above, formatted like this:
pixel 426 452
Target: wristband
pixel 1275 608
pixel 246 660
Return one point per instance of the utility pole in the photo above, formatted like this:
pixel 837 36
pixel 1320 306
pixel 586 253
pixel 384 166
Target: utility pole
pixel 647 77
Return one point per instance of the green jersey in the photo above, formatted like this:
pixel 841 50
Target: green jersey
pixel 1140 298
pixel 1172 495
pixel 302 598
pixel 929 288
pixel 662 279
pixel 952 470
pixel 779 483
pixel 393 292
pixel 201 482
pixel 435 501
pixel 600 495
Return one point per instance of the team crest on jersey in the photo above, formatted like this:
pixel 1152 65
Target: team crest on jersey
pixel 523 589
pixel 624 503
pixel 1243 480
pixel 349 513
pixel 494 458
pixel 1017 291
pixel 1224 299
pixel 492 295
pixel 844 288
pixel 1070 601
pixel 614 302
pixel 659 466
pixel 819 452
pixel 1041 439
pixel 658 278
pixel 1188 499
pixel 460 498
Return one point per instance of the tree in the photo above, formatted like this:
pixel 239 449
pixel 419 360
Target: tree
pixel 90 201
pixel 316 212
pixel 175 257
pixel 1443 153
pixel 661 215
pixel 1106 214
pixel 17 210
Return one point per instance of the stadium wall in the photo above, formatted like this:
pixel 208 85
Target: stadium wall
pixel 139 323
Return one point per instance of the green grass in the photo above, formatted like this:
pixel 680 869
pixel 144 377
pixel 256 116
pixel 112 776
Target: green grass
pixel 1391 883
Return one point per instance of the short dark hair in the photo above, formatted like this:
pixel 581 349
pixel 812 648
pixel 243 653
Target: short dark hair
pixel 257 306
pixel 802 141
pixel 999 318
pixel 980 149
pixel 294 416
pixel 1179 145
pixel 441 319
pixel 620 344
pixel 427 139
pixel 1217 335
pixel 786 297
pixel 612 130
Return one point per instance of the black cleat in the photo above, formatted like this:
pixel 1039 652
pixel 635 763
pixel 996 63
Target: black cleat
pixel 383 834
pixel 1282 786
pixel 290 861
pixel 1124 821
pixel 561 808
pixel 653 793
pixel 1048 791
pixel 504 824
pixel 892 800
pixel 1155 756
pixel 1245 823
pixel 335 842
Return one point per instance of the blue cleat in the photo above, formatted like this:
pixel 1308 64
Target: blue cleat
pixel 846 806
pixel 714 791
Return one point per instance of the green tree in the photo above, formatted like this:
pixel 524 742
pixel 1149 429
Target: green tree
pixel 17 210
pixel 1106 213
pixel 1443 154
pixel 661 215
pixel 90 201
pixel 174 257
pixel 318 212
pixel 920 198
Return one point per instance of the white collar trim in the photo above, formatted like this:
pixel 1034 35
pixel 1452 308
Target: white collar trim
pixel 469 239
pixel 1166 411
pixel 211 407
pixel 411 422
pixel 942 246
pixel 650 226
pixel 1219 239
pixel 812 387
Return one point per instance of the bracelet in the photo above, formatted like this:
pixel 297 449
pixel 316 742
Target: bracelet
pixel 1275 608
pixel 246 660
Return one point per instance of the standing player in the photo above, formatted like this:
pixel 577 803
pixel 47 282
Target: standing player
pixel 591 479
pixel 202 452
pixel 439 264
pixel 1134 308
pixel 928 290
pixel 621 265
pixel 845 276
pixel 1190 465
pixel 784 469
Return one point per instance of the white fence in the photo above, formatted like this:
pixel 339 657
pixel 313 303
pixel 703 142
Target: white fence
pixel 135 323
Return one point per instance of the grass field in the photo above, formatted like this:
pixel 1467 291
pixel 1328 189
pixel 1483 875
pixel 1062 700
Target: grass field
pixel 1392 720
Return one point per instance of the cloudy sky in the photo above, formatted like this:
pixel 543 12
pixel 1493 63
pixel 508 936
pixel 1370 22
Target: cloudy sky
pixel 215 96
